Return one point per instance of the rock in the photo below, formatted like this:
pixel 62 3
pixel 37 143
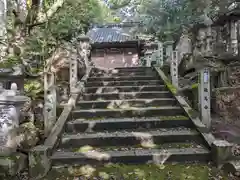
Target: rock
pixel 27 136
pixel 221 151
pixel 12 164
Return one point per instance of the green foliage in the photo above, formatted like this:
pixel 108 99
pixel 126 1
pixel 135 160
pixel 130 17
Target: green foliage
pixel 73 18
pixel 34 89
pixel 165 18
pixel 10 62
pixel 171 87
pixel 116 4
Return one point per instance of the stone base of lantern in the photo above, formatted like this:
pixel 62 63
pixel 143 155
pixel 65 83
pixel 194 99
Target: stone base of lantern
pixel 12 163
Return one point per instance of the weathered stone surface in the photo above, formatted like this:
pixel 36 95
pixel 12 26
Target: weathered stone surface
pixel 127 95
pixel 125 89
pixel 39 162
pixel 115 124
pixel 10 105
pixel 227 104
pixel 129 112
pixel 221 152
pixel 232 167
pixel 12 164
pixel 128 103
pixel 170 135
pixel 27 136
pixel 131 156
pixel 124 83
pixel 122 78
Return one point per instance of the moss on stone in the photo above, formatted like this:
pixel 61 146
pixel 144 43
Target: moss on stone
pixel 146 171
pixel 194 86
pixel 173 118
pixel 171 87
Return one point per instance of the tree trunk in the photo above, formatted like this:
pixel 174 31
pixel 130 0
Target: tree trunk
pixel 3 31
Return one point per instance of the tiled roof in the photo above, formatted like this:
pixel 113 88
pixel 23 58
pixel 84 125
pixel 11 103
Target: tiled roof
pixel 109 34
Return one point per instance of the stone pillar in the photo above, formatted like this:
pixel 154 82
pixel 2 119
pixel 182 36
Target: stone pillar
pixel 234 41
pixel 148 56
pixel 201 37
pixel 204 97
pixel 174 68
pixel 73 70
pixel 228 40
pixel 50 101
pixel 238 36
pixel 160 54
pixel 208 40
pixel 85 50
pixel 169 49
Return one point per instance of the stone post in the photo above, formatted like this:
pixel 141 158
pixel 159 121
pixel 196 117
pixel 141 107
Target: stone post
pixel 73 69
pixel 169 49
pixel 234 41
pixel 238 36
pixel 228 40
pixel 160 54
pixel 85 50
pixel 50 98
pixel 148 56
pixel 201 36
pixel 174 68
pixel 208 40
pixel 204 97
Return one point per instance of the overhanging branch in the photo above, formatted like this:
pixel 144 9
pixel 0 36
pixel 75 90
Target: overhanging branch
pixel 43 17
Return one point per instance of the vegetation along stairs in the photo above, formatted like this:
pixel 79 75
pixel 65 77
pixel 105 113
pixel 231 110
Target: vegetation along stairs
pixel 130 116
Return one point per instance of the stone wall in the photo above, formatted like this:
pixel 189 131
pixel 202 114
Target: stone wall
pixel 226 103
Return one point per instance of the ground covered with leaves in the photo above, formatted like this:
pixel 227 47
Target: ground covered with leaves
pixel 140 172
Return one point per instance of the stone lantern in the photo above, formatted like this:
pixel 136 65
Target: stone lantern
pixel 230 21
pixel 10 105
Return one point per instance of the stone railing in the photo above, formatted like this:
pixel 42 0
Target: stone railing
pixel 82 49
pixel 39 157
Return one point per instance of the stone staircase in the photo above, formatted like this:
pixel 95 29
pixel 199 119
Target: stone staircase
pixel 129 116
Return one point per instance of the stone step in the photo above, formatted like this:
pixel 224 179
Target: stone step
pixel 134 112
pixel 115 74
pixel 118 124
pixel 125 89
pixel 134 69
pixel 129 138
pixel 126 95
pixel 124 83
pixel 122 78
pixel 132 157
pixel 149 146
pixel 123 104
pixel 124 70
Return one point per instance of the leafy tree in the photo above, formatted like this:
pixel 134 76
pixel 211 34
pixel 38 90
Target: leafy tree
pixel 163 16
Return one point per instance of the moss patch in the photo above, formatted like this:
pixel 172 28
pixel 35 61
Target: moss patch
pixel 194 86
pixel 171 87
pixel 173 118
pixel 141 172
